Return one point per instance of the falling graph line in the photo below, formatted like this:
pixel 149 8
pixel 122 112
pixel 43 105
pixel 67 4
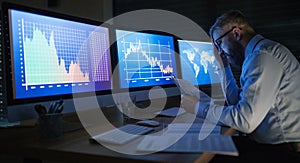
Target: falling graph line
pixel 145 59
pixel 152 58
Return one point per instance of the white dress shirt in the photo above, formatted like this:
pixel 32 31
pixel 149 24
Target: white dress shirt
pixel 267 106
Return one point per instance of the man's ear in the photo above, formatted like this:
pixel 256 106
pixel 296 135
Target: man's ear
pixel 237 33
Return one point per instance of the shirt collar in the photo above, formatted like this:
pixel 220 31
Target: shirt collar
pixel 252 43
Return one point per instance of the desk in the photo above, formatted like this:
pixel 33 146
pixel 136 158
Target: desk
pixel 75 147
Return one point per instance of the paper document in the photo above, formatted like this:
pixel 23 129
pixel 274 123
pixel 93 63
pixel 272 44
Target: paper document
pixel 189 143
pixel 193 128
pixel 187 88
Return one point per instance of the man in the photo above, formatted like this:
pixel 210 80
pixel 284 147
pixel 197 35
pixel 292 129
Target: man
pixel 267 104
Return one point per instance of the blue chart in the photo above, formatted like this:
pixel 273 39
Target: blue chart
pixel 198 61
pixel 58 54
pixel 145 59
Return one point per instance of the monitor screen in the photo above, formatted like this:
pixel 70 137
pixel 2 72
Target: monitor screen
pixel 51 55
pixel 145 59
pixel 198 63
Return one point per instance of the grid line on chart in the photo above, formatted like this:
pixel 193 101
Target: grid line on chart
pixel 99 60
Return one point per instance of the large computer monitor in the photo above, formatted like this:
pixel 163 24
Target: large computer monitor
pixel 48 56
pixel 145 59
pixel 198 63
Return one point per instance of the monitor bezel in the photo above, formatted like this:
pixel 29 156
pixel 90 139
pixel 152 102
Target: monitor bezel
pixel 6 6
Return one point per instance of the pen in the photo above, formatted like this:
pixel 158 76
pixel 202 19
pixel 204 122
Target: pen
pixel 51 108
pixel 58 107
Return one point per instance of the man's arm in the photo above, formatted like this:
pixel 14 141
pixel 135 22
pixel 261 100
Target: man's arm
pixel 229 87
pixel 260 85
pixel 228 83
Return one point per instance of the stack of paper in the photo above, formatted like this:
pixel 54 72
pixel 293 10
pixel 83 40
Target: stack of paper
pixel 193 128
pixel 189 143
pixel 184 138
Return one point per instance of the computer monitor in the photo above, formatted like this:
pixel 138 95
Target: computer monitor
pixel 49 56
pixel 198 63
pixel 145 59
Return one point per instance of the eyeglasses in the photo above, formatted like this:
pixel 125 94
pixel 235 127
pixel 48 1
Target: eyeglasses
pixel 218 41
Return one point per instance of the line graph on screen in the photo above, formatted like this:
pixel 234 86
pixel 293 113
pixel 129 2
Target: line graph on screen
pixel 146 59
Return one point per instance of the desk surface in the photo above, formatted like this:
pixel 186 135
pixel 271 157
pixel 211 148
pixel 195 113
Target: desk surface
pixel 75 146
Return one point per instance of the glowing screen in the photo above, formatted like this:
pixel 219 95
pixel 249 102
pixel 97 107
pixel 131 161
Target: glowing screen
pixel 145 59
pixel 198 63
pixel 52 56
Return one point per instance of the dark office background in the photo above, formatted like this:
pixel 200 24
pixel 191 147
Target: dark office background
pixel 275 19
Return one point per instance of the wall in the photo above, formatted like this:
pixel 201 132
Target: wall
pixel 278 20
pixel 92 9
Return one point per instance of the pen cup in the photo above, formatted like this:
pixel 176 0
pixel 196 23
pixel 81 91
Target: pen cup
pixel 50 126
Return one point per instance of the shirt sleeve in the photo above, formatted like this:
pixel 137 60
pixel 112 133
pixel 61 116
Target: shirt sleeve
pixel 201 109
pixel 229 86
pixel 261 79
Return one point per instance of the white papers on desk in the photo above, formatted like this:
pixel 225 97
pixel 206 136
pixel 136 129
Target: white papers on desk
pixel 189 143
pixel 177 128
